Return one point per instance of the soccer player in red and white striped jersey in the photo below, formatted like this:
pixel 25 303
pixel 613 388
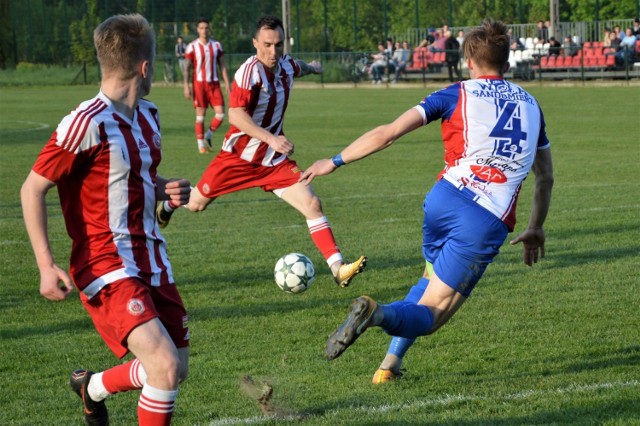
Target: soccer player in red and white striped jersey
pixel 255 151
pixel 205 65
pixel 103 158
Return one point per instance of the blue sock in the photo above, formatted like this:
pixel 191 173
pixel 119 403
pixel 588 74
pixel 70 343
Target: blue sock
pixel 400 345
pixel 406 319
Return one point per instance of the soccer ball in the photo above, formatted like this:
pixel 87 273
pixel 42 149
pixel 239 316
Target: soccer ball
pixel 294 273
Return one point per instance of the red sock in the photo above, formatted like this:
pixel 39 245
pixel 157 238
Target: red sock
pixel 322 236
pixel 155 406
pixel 215 123
pixel 124 377
pixel 199 130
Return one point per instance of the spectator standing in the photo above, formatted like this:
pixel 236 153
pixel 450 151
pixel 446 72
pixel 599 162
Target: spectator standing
pixel 181 50
pixel 255 152
pixel 543 32
pixel 494 135
pixel 204 67
pixel 460 37
pixel 452 56
pixel 103 158
pixel 636 27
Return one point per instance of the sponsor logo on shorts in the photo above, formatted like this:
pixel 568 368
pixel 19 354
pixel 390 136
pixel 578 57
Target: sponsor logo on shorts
pixel 296 170
pixel 185 321
pixel 136 307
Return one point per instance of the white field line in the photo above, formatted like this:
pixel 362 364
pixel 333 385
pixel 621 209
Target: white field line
pixel 443 400
pixel 36 126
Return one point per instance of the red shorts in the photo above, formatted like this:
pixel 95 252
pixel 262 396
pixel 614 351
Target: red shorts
pixel 207 94
pixel 229 173
pixel 127 303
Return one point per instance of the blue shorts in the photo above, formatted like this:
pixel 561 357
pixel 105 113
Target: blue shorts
pixel 459 237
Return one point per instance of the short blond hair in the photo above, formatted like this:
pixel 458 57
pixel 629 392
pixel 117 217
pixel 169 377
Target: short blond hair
pixel 122 42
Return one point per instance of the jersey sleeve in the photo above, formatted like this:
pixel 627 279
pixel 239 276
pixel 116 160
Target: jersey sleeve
pixel 297 71
pixel 440 104
pixel 67 148
pixel 246 80
pixel 543 141
pixel 189 53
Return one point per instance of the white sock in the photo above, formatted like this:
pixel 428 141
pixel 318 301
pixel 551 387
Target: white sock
pixel 96 389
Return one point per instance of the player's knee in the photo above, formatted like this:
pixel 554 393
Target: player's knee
pixel 220 116
pixel 165 371
pixel 199 118
pixel 314 205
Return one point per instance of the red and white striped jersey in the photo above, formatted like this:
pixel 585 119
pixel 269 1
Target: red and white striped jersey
pixel 264 95
pixel 204 58
pixel 105 168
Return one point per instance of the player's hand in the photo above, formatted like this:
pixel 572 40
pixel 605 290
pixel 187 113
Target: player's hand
pixel 533 240
pixel 178 191
pixel 319 168
pixel 315 67
pixel 282 145
pixel 187 91
pixel 55 283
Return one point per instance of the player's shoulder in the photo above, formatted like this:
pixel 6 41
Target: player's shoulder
pixel 84 122
pixel 249 73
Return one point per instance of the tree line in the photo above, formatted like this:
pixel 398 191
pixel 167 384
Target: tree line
pixel 60 31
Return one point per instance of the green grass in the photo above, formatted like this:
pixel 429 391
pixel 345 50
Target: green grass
pixel 558 343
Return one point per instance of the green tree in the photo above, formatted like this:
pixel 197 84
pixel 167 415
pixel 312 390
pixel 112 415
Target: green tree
pixel 82 47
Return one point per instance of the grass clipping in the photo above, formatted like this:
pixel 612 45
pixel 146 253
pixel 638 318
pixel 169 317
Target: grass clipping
pixel 262 392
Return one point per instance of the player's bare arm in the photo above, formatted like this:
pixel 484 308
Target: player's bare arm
pixel 238 117
pixel 313 67
pixel 176 190
pixel 188 70
pixel 55 283
pixel 533 237
pixel 373 141
pixel 225 74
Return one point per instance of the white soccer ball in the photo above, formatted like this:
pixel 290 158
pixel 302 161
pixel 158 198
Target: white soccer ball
pixel 294 273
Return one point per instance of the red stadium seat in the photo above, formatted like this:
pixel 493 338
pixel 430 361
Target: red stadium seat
pixel 544 62
pixel 560 62
pixel 552 62
pixel 576 62
pixel 610 61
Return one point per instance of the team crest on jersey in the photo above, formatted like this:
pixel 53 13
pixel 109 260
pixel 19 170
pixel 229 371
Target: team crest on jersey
pixel 142 145
pixel 156 140
pixel 135 307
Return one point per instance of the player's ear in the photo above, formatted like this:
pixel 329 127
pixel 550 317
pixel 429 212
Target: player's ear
pixel 505 68
pixel 145 68
pixel 255 43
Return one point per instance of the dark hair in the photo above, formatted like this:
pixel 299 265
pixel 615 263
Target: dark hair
pixel 270 22
pixel 205 20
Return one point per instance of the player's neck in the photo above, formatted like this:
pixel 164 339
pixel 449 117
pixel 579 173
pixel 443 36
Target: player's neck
pixel 124 95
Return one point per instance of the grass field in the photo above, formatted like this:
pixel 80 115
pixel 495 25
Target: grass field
pixel 558 343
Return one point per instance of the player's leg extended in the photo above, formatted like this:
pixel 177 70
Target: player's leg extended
pixel 389 368
pixel 303 199
pixel 400 318
pixel 216 100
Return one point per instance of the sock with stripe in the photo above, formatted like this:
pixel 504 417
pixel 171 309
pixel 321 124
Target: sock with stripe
pixel 155 406
pixel 323 238
pixel 123 377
